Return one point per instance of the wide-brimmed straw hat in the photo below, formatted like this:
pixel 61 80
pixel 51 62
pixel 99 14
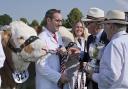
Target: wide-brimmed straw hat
pixel 94 14
pixel 115 16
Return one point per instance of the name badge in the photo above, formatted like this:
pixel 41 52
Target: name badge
pixel 20 77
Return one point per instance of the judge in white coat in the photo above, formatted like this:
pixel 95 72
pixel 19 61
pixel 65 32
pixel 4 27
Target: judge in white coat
pixel 114 62
pixel 2 55
pixel 48 69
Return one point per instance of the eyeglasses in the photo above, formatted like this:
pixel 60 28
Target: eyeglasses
pixel 57 20
pixel 88 23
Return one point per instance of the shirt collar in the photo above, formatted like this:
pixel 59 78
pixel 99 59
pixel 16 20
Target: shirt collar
pixel 79 38
pixel 49 33
pixel 99 33
pixel 119 34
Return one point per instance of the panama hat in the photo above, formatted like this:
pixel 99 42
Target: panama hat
pixel 94 14
pixel 115 16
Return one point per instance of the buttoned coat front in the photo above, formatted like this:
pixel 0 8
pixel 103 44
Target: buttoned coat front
pixel 47 69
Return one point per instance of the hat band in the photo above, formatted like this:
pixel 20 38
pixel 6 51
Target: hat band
pixel 116 19
pixel 94 18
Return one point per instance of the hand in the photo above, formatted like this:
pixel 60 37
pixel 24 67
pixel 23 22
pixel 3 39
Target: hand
pixel 61 50
pixel 73 50
pixel 63 78
pixel 89 71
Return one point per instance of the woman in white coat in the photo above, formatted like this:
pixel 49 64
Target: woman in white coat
pixel 80 34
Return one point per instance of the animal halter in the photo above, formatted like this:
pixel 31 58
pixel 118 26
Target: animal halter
pixel 27 42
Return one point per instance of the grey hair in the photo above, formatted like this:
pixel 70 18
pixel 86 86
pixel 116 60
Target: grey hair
pixel 120 27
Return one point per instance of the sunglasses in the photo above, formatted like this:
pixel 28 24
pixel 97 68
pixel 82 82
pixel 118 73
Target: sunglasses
pixel 88 23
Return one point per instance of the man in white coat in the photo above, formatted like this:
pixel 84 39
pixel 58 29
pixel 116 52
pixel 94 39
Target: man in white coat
pixel 2 55
pixel 48 69
pixel 114 62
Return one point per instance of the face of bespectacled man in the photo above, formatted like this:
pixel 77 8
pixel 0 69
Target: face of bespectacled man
pixel 55 22
pixel 92 27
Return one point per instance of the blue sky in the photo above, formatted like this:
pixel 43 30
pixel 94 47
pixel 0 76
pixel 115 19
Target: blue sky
pixel 35 9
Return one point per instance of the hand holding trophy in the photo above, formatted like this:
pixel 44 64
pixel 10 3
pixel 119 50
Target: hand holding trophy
pixel 95 53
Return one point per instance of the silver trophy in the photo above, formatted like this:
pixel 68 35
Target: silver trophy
pixel 95 53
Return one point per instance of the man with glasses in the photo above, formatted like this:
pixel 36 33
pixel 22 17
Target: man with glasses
pixel 48 70
pixel 94 17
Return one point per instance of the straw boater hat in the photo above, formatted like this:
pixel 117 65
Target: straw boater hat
pixel 94 14
pixel 115 16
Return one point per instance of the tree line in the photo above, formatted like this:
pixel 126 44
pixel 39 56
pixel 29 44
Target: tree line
pixel 74 15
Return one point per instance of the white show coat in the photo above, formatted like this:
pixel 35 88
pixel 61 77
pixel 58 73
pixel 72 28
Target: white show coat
pixel 114 64
pixel 47 70
pixel 76 73
pixel 2 57
pixel 82 43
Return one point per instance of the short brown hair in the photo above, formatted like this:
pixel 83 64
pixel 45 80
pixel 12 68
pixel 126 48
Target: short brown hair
pixel 49 14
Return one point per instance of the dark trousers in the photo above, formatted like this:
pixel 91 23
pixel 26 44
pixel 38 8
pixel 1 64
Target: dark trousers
pixel 92 85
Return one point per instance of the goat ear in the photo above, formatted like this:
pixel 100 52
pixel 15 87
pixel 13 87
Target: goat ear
pixel 5 35
pixel 29 49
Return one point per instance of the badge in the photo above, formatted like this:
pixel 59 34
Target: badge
pixel 20 77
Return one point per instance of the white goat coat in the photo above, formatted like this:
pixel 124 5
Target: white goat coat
pixel 2 57
pixel 47 69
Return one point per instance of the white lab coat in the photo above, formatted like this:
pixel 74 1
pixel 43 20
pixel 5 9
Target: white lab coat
pixel 82 44
pixel 47 69
pixel 2 57
pixel 114 64
pixel 82 48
